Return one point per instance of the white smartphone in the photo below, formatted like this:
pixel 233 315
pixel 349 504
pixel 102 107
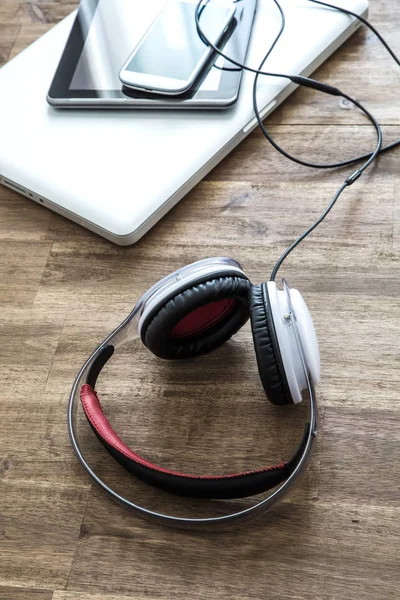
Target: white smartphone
pixel 171 54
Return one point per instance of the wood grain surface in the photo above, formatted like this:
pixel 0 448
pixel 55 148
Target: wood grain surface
pixel 63 289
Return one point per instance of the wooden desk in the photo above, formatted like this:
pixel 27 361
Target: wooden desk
pixel 62 289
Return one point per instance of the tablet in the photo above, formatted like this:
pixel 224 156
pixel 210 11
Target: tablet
pixel 102 37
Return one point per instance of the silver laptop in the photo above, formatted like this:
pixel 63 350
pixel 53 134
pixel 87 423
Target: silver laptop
pixel 118 172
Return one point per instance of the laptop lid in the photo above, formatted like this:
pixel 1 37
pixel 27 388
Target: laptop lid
pixel 118 172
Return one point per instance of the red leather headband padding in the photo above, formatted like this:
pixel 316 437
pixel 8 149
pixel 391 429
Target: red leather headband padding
pixel 223 486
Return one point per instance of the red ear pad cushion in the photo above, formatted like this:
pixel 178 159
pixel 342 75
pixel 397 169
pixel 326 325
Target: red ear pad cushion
pixel 269 359
pixel 197 319
pixel 225 486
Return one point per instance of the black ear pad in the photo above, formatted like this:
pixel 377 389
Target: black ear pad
pixel 197 319
pixel 269 359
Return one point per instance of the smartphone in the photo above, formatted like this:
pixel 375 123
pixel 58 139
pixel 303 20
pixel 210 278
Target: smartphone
pixel 171 54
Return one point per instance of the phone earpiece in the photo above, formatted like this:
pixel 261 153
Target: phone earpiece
pixel 196 313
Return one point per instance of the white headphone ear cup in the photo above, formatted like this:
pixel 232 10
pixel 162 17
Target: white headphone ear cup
pixel 299 362
pixel 307 334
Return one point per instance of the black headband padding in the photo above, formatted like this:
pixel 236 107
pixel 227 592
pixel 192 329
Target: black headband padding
pixel 269 359
pixel 103 357
pixel 160 322
pixel 218 488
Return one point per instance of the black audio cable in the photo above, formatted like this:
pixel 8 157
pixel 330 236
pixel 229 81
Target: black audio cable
pixel 318 86
pixel 303 162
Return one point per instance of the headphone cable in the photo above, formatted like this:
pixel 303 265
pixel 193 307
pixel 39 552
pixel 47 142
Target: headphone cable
pixel 319 86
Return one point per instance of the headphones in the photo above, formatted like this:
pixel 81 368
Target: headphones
pixel 188 313
pixel 197 309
